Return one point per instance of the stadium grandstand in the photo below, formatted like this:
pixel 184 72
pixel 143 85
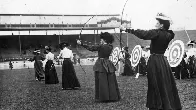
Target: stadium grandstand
pixel 15 45
pixel 18 46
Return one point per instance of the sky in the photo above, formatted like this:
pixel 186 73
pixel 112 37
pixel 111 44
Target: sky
pixel 142 13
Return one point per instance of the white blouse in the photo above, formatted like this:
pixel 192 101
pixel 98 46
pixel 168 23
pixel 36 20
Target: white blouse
pixel 66 53
pixel 191 52
pixel 50 56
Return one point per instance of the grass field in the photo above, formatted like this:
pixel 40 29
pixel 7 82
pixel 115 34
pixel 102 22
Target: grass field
pixel 20 91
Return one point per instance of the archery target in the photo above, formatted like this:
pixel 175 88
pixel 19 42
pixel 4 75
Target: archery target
pixel 176 53
pixel 136 55
pixel 115 53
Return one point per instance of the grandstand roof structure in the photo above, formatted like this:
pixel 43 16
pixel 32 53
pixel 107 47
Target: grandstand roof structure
pixel 39 22
pixel 59 15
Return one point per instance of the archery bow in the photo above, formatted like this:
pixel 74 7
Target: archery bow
pixel 121 32
pixel 84 26
pixel 121 24
pixel 121 36
pixel 185 28
pixel 80 37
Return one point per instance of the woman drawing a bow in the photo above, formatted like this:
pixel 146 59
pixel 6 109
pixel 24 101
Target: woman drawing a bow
pixel 162 91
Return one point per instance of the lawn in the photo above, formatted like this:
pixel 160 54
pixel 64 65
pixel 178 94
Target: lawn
pixel 19 91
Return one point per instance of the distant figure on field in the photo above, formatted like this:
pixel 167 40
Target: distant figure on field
pixel 69 78
pixel 38 65
pixel 50 71
pixel 10 65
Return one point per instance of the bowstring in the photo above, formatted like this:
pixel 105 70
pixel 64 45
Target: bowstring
pixel 80 39
pixel 121 38
pixel 82 29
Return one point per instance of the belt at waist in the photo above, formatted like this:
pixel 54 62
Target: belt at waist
pixel 103 58
pixel 156 54
pixel 66 58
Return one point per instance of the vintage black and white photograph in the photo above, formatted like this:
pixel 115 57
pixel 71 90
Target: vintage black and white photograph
pixel 97 55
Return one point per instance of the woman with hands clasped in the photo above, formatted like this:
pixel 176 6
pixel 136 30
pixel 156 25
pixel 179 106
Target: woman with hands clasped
pixel 162 92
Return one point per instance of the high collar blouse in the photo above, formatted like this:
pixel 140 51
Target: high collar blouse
pixel 50 56
pixel 66 53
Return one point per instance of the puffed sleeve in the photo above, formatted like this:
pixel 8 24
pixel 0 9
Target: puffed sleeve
pixel 91 48
pixel 47 56
pixel 171 33
pixel 144 34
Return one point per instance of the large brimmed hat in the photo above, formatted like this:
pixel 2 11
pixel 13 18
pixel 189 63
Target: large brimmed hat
pixel 126 48
pixel 162 16
pixel 63 44
pixel 190 43
pixel 36 51
pixel 147 47
pixel 48 48
pixel 107 37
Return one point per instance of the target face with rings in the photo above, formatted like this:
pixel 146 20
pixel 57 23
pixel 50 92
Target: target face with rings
pixel 176 53
pixel 114 57
pixel 136 55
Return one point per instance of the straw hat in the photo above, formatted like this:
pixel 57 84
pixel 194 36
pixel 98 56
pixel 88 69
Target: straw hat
pixel 163 17
pixel 190 43
pixel 48 48
pixel 36 51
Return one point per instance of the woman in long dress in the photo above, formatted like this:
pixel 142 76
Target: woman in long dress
pixel 106 86
pixel 50 71
pixel 162 92
pixel 69 78
pixel 128 70
pixel 38 65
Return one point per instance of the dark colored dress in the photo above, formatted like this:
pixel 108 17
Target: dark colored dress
pixel 128 71
pixel 106 86
pixel 69 79
pixel 192 66
pixel 50 73
pixel 38 66
pixel 142 66
pixel 162 91
pixel 10 65
pixel 181 71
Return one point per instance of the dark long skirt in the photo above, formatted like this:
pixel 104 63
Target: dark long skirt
pixel 128 71
pixel 39 72
pixel 192 66
pixel 50 73
pixel 106 87
pixel 162 91
pixel 69 79
pixel 181 71
pixel 142 66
